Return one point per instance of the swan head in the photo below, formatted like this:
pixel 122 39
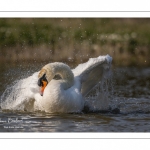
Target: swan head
pixel 56 71
pixel 45 75
pixel 42 81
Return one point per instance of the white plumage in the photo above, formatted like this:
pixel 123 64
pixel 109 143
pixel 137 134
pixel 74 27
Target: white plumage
pixel 64 95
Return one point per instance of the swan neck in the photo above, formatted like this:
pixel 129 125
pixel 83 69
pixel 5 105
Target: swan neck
pixel 64 71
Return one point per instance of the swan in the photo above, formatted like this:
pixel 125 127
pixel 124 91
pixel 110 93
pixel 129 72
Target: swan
pixel 57 88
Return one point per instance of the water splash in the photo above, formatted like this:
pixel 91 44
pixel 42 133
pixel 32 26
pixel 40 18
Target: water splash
pixel 100 98
pixel 20 95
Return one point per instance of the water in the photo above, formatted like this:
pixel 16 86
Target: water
pixel 131 96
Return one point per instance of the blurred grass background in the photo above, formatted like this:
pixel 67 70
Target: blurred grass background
pixel 75 40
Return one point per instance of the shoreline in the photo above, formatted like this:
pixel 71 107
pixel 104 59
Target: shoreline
pixel 44 53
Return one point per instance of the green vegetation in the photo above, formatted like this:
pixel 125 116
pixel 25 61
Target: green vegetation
pixel 75 39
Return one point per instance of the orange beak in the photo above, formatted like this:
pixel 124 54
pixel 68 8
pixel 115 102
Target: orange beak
pixel 43 87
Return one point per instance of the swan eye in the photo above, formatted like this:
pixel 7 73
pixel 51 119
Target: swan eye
pixel 57 77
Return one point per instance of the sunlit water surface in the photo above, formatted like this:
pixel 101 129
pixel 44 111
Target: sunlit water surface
pixel 131 95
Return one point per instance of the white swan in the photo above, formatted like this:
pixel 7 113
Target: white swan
pixel 57 88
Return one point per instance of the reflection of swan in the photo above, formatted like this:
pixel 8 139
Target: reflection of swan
pixel 66 89
pixel 57 88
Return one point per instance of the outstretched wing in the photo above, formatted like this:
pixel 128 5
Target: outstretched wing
pixel 92 72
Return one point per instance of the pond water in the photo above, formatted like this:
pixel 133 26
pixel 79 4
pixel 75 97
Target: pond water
pixel 131 101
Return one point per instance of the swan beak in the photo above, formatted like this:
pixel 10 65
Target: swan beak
pixel 43 87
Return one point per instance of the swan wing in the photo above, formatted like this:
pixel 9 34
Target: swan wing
pixel 92 72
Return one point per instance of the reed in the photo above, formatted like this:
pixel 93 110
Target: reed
pixel 75 40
